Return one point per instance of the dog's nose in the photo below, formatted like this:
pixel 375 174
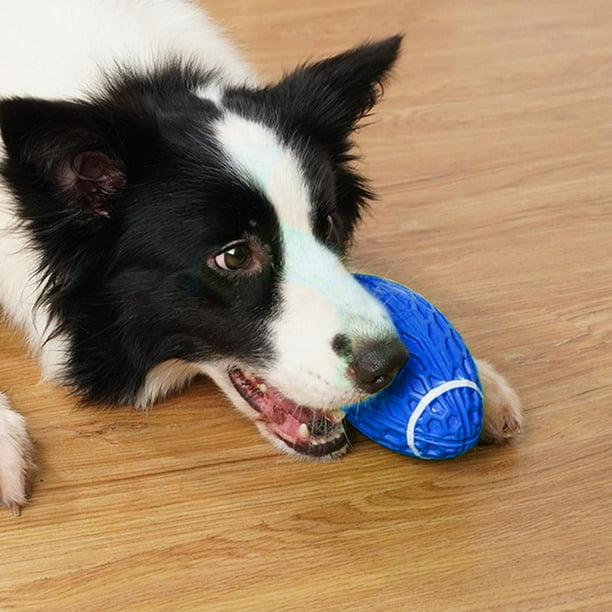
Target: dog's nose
pixel 374 365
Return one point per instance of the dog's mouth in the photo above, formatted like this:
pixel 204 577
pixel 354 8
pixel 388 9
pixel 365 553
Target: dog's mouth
pixel 308 431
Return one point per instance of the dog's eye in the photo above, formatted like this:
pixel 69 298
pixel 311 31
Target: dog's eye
pixel 234 257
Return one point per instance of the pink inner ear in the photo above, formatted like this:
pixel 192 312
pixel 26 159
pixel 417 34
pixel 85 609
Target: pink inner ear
pixel 96 178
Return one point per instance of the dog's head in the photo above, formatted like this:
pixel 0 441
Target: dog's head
pixel 182 221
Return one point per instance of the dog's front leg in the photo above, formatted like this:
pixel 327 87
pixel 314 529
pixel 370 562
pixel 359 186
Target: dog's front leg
pixel 503 413
pixel 16 458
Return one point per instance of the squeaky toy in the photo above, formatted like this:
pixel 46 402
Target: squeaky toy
pixel 433 409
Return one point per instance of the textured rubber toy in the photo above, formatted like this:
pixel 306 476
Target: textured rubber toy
pixel 433 409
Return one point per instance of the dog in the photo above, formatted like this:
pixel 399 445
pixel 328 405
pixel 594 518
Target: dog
pixel 164 214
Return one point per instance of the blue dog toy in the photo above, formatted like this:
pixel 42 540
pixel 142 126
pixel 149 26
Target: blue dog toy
pixel 433 409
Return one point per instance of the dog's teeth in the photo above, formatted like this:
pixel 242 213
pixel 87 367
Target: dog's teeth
pixel 303 431
pixel 262 387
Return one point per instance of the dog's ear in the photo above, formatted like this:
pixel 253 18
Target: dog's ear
pixel 328 98
pixel 67 150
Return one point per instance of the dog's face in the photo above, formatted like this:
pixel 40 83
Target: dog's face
pixel 208 226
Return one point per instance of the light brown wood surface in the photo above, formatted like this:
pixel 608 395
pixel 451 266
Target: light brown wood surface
pixel 492 156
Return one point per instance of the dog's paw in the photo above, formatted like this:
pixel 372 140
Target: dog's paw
pixel 16 459
pixel 503 412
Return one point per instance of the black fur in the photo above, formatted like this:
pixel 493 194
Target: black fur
pixel 128 197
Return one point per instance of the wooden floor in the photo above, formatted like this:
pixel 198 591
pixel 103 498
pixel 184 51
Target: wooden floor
pixel 492 155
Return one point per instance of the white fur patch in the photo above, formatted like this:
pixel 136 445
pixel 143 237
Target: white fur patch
pixel 256 153
pixel 15 456
pixel 211 92
pixel 67 44
pixel 165 378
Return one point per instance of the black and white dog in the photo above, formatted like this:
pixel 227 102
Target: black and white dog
pixel 163 215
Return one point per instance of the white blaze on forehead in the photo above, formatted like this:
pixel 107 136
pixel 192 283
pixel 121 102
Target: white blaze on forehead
pixel 271 166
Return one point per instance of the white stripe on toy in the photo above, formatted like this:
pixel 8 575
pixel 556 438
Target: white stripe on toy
pixel 426 400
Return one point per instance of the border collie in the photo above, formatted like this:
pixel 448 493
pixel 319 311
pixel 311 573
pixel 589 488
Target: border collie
pixel 164 215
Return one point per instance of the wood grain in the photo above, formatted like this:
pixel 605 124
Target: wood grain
pixel 492 156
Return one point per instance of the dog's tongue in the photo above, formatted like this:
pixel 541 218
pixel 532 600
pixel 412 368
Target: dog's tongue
pixel 296 425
